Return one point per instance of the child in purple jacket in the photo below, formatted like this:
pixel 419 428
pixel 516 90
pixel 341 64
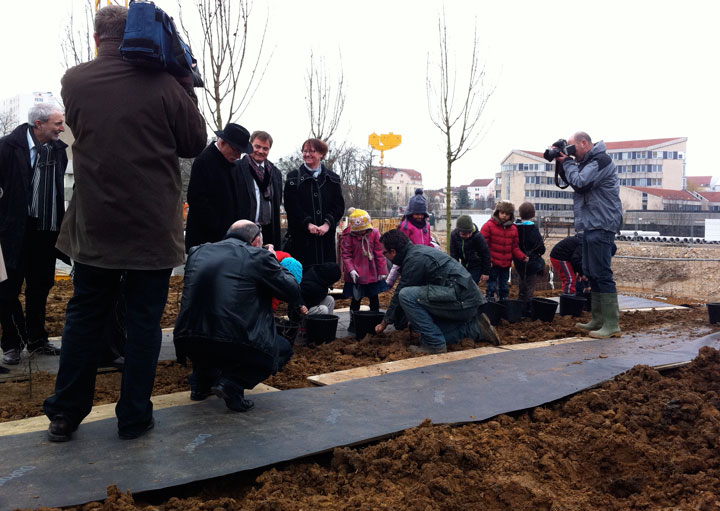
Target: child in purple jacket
pixel 363 262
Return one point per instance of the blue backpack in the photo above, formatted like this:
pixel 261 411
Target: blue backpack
pixel 151 40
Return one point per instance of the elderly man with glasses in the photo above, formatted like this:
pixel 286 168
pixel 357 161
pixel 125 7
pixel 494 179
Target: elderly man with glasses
pixel 225 324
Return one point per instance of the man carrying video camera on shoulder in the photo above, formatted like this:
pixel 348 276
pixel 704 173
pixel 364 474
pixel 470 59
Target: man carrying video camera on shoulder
pixel 598 215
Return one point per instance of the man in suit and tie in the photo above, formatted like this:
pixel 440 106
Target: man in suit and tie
pixel 260 191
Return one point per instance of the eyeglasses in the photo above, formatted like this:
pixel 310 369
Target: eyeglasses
pixel 309 151
pixel 258 233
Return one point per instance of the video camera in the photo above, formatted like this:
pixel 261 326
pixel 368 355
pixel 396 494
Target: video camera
pixel 559 147
pixel 152 40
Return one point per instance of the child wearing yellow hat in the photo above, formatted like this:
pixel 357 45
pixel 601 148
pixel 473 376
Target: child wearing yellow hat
pixel 363 261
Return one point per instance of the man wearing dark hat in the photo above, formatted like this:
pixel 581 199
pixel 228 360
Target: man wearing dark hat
pixel 212 193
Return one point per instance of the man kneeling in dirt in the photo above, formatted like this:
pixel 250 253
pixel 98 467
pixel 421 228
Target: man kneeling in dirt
pixel 226 324
pixel 436 294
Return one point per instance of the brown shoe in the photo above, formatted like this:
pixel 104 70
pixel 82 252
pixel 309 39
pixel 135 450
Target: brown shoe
pixel 60 429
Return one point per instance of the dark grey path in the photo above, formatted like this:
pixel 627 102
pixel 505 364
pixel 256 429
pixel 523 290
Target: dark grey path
pixel 198 442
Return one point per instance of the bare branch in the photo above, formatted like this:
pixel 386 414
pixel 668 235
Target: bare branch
pixel 325 101
pixel 231 76
pixel 456 116
pixel 76 40
pixel 8 122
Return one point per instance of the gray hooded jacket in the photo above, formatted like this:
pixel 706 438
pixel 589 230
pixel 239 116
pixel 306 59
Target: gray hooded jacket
pixel 596 202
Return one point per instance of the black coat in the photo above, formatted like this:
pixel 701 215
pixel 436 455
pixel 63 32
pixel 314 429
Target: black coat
pixel 16 183
pixel 316 201
pixel 212 198
pixel 531 243
pixel 227 296
pixel 472 252
pixel 316 281
pixel 246 199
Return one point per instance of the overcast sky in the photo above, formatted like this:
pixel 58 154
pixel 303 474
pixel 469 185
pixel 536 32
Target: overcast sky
pixel 620 70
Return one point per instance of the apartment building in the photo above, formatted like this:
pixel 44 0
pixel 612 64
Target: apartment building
pixel 527 176
pixel 399 184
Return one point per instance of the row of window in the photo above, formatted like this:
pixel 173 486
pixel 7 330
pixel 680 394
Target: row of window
pixel 553 207
pixel 539 180
pixel 640 182
pixel 553 194
pixel 644 155
pixel 638 168
pixel 683 207
pixel 528 166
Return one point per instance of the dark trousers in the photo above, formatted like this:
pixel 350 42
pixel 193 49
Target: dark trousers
pixel 88 312
pixel 526 286
pixel 374 302
pixel 497 283
pixel 36 268
pixel 598 247
pixel 243 367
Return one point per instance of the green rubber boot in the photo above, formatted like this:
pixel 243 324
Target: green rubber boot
pixel 597 319
pixel 610 315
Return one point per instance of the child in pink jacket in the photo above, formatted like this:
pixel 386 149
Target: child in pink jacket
pixel 363 261
pixel 415 226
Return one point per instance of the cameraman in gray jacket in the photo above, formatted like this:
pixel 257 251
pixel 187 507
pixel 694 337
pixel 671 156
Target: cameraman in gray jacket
pixel 598 214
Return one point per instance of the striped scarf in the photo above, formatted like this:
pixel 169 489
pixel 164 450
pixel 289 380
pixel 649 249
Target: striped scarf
pixel 42 204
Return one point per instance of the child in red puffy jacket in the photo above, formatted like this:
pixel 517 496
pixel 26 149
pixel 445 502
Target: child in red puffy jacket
pixel 502 240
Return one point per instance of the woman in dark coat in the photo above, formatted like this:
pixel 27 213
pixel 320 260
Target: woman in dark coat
pixel 314 205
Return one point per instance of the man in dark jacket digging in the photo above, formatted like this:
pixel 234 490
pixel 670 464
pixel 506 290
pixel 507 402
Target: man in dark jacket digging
pixel 225 324
pixel 436 294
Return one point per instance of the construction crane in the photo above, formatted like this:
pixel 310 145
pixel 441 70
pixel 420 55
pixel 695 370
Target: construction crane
pixel 384 142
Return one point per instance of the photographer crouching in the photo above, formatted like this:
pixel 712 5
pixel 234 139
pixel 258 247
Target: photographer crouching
pixel 591 173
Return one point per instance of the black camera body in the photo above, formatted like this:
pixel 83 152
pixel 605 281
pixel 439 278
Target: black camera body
pixel 560 147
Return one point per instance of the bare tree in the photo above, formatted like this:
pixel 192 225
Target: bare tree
pixel 456 116
pixel 8 122
pixel 325 99
pixel 361 181
pixel 76 42
pixel 231 75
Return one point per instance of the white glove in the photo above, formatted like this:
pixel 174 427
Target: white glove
pixel 354 275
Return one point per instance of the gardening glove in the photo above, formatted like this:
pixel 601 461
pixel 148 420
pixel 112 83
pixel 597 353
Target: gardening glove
pixel 354 275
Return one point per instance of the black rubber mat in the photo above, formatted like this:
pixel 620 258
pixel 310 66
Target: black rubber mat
pixel 191 443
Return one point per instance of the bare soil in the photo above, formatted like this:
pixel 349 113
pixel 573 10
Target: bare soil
pixel 645 440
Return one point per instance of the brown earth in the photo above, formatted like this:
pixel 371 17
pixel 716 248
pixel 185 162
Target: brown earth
pixel 641 441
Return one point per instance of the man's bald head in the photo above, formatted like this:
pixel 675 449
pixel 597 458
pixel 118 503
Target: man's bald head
pixel 247 231
pixel 583 144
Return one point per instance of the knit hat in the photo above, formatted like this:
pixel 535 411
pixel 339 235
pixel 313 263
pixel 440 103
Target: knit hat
pixel 417 204
pixel 464 223
pixel 505 206
pixel 293 266
pixel 359 220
